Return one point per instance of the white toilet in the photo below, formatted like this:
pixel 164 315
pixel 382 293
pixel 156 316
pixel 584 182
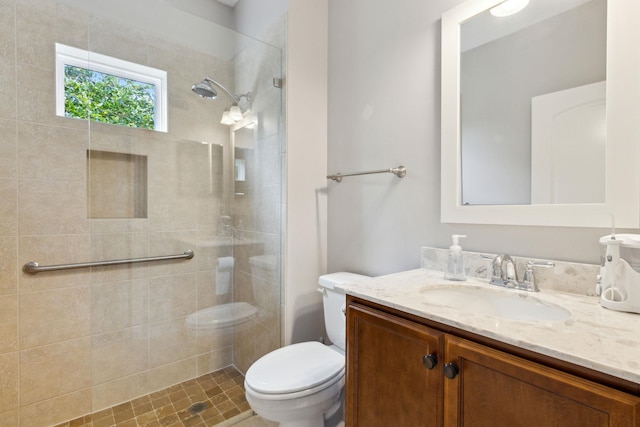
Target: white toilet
pixel 300 385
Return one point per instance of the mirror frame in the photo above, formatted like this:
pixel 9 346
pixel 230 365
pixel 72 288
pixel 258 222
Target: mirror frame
pixel 622 186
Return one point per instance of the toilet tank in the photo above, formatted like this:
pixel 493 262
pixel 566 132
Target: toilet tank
pixel 333 301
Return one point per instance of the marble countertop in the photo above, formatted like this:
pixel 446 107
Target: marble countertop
pixel 593 337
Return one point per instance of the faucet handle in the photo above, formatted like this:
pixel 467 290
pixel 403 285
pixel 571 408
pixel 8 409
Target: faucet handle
pixel 528 282
pixel 497 278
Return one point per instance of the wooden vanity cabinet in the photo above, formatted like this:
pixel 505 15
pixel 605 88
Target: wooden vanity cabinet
pixel 390 378
pixel 388 382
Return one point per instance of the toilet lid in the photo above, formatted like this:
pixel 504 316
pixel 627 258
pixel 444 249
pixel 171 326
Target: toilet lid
pixel 294 368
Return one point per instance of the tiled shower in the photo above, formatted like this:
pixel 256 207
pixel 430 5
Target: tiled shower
pixel 74 342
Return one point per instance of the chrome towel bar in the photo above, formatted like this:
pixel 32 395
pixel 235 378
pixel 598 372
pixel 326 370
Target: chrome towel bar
pixel 33 267
pixel 400 172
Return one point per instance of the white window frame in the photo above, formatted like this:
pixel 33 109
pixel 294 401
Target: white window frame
pixel 67 55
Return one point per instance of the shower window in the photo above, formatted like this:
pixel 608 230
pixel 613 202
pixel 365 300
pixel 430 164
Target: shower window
pixel 101 88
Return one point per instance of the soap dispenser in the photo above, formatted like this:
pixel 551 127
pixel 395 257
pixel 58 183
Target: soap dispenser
pixel 455 267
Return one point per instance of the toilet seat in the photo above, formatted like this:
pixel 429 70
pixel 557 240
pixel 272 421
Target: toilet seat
pixel 296 370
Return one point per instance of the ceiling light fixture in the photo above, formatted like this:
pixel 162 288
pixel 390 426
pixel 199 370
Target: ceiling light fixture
pixel 508 7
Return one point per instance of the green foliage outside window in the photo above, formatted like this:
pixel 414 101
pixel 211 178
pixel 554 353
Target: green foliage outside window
pixel 108 99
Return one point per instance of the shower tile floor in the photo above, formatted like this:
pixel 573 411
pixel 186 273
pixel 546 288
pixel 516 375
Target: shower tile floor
pixel 215 399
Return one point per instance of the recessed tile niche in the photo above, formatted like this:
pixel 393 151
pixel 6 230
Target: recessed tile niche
pixel 116 185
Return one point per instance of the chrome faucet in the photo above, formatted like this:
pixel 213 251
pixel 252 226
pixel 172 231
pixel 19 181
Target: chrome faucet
pixel 504 272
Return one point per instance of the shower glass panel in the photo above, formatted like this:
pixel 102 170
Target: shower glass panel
pixel 75 342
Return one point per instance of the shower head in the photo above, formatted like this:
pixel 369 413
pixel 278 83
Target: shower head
pixel 204 89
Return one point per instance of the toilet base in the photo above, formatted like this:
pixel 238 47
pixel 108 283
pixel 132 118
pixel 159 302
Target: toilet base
pixel 305 411
pixel 315 422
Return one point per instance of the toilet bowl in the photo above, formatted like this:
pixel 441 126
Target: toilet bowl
pixel 300 385
pixel 301 394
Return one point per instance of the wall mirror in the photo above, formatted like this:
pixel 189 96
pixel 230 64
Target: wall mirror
pixel 538 114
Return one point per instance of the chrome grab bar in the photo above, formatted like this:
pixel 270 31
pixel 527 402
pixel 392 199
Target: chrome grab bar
pixel 400 172
pixel 33 267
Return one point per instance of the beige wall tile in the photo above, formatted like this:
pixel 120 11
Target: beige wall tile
pixel 172 373
pixel 48 317
pixel 51 250
pixel 213 340
pixel 8 266
pixel 106 246
pixel 172 296
pixel 54 370
pixel 118 305
pixel 7 30
pixel 8 148
pixel 9 371
pixel 41 24
pixel 206 290
pixel 241 363
pixel 8 89
pixel 172 208
pixel 243 344
pixel 117 245
pixel 10 418
pixel 65 211
pixel 209 206
pixel 8 324
pixel 265 340
pixel 215 360
pixel 108 394
pixel 243 287
pixel 112 38
pixel 267 209
pixel 118 225
pixel 267 297
pixel 50 152
pixel 8 207
pixel 56 410
pixel 170 243
pixel 176 165
pixel 169 342
pixel 119 354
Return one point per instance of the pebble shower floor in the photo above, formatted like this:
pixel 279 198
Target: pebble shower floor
pixel 211 399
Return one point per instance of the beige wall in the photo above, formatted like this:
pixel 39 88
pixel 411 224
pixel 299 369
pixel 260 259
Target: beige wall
pixel 77 341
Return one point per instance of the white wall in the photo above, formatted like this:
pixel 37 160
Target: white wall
pixel 384 110
pixel 254 17
pixel 210 10
pixel 305 241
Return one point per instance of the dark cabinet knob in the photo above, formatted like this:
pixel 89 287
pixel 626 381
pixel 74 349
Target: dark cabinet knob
pixel 451 370
pixel 430 361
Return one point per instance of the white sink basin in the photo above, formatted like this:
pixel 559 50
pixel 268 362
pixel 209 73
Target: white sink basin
pixel 505 303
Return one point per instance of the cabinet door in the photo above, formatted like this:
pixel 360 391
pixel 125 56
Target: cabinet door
pixel 393 377
pixel 495 389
